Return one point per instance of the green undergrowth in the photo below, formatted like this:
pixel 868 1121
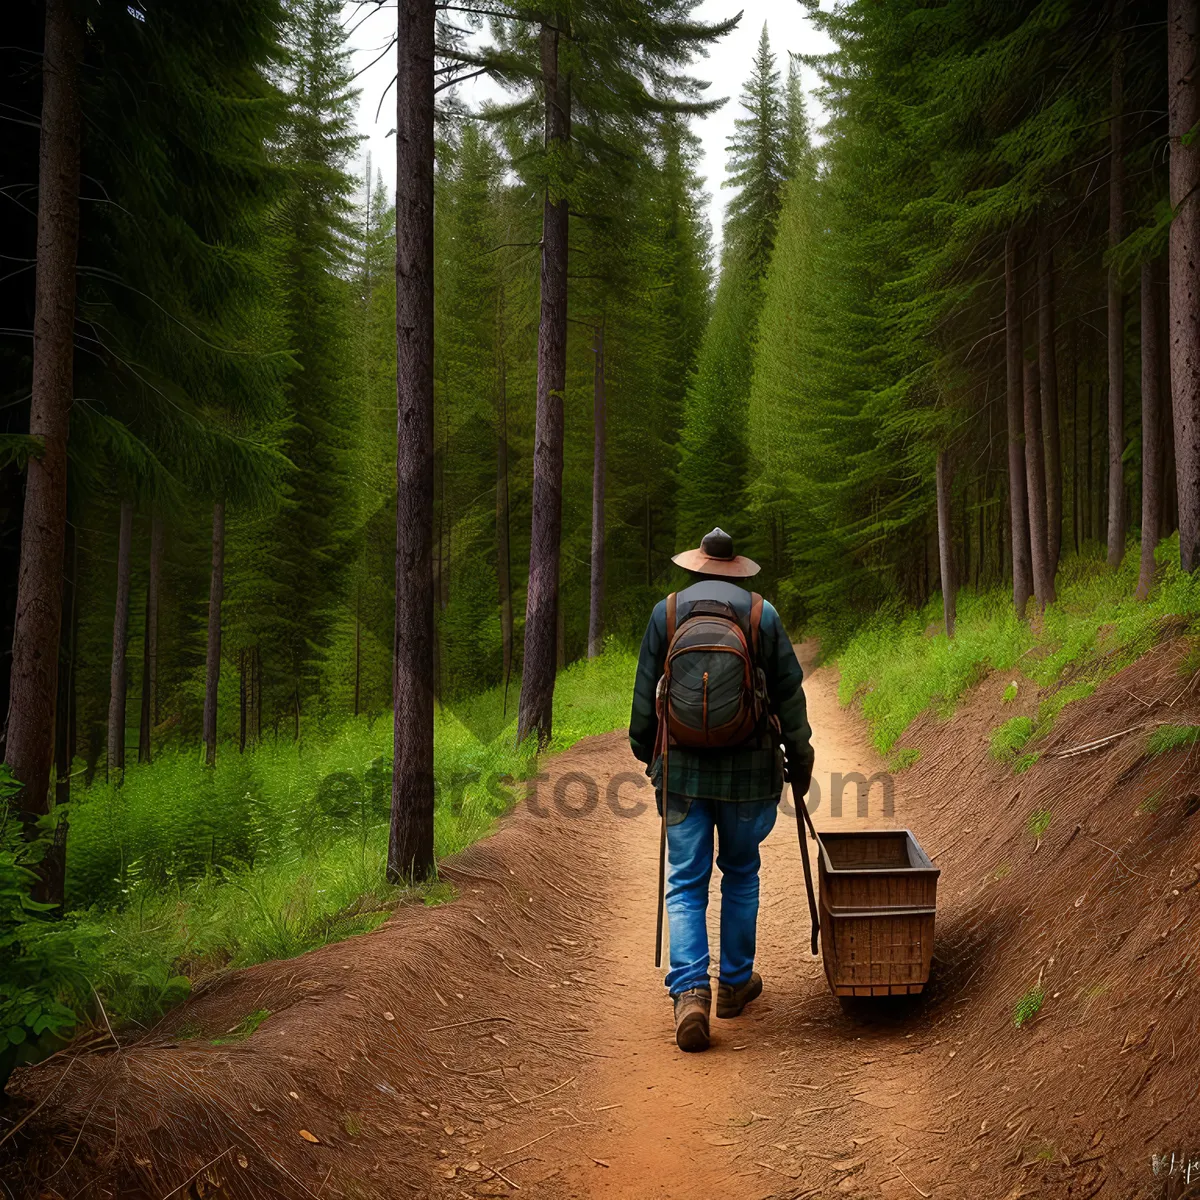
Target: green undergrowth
pixel 1172 737
pixel 901 665
pixel 185 869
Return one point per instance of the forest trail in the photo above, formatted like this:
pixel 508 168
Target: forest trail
pixel 519 1042
pixel 792 1098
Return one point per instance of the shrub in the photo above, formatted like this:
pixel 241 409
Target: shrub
pixel 41 973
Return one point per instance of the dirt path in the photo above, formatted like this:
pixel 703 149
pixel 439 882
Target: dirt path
pixel 517 1040
pixel 771 1109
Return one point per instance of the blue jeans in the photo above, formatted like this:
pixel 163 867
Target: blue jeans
pixel 740 827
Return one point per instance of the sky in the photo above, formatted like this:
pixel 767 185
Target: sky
pixel 727 66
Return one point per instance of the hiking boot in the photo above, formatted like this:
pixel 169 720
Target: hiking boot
pixel 731 1000
pixel 691 1018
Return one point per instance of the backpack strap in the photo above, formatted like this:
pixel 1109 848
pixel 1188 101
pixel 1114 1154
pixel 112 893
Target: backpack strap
pixel 756 605
pixel 670 617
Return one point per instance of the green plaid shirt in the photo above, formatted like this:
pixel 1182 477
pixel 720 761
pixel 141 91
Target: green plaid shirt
pixel 743 773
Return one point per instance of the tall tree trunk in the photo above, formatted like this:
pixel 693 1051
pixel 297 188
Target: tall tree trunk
pixel 537 683
pixel 1035 482
pixel 1151 428
pixel 52 885
pixel 242 700
pixel 1048 372
pixel 1090 490
pixel 1116 312
pixel 257 695
pixel 410 843
pixel 149 712
pixel 599 418
pixel 1022 568
pixel 29 746
pixel 503 540
pixel 1073 387
pixel 1169 521
pixel 212 668
pixel 945 541
pixel 118 677
pixel 358 644
pixel 1183 106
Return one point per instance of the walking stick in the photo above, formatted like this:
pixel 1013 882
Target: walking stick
pixel 802 819
pixel 662 828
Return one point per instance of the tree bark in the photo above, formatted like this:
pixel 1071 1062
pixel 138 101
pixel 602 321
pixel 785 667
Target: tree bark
pixel 410 844
pixel 149 712
pixel 1018 500
pixel 1048 372
pixel 946 541
pixel 1089 490
pixel 1183 107
pixel 1116 314
pixel 29 746
pixel 503 539
pixel 599 418
pixel 53 872
pixel 212 669
pixel 118 677
pixel 1035 482
pixel 1151 429
pixel 541 609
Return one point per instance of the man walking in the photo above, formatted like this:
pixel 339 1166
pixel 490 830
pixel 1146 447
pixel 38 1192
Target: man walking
pixel 719 696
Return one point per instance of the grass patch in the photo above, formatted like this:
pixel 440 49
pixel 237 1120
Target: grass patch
pixel 1010 693
pixel 903 758
pixel 1029 1006
pixel 1008 740
pixel 244 1028
pixel 1025 761
pixel 1038 823
pixel 1152 803
pixel 1095 629
pixel 1172 737
pixel 186 869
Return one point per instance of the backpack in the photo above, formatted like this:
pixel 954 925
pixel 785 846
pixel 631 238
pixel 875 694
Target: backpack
pixel 713 693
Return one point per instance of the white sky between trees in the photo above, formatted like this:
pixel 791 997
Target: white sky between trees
pixel 727 67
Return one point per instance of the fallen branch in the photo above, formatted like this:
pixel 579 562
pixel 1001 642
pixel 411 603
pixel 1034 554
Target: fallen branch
pixel 1116 856
pixel 910 1182
pixel 460 1024
pixel 1088 747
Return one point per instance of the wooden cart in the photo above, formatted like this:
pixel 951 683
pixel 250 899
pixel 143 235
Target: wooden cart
pixel 878 898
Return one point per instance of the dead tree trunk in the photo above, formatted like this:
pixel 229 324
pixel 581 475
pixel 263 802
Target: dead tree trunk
pixel 29 746
pixel 212 667
pixel 410 844
pixel 946 541
pixel 1018 500
pixel 1035 482
pixel 599 417
pixel 541 609
pixel 1048 372
pixel 1183 113
pixel 149 712
pixel 1151 429
pixel 120 647
pixel 1116 316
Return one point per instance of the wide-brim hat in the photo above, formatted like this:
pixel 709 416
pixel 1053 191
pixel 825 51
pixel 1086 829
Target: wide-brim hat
pixel 715 556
